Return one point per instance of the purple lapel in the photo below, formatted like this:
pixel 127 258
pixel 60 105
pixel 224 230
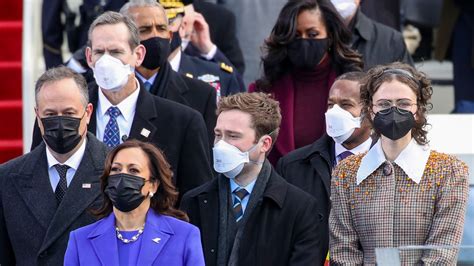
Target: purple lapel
pixel 104 241
pixel 155 236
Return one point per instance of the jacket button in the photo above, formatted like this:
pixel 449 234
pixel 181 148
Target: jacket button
pixel 205 201
pixel 212 250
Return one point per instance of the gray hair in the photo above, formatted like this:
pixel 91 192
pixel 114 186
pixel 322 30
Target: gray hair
pixel 125 10
pixel 113 18
pixel 60 73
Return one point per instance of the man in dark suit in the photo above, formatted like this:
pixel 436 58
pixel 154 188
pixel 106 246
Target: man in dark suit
pixel 378 44
pixel 155 71
pixel 249 215
pixel 124 109
pixel 310 167
pixel 46 193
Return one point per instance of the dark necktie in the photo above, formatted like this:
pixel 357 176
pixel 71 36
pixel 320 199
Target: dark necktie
pixel 344 155
pixel 239 195
pixel 62 185
pixel 112 132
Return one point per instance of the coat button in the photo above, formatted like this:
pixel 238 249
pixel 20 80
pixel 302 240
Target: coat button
pixel 205 201
pixel 212 250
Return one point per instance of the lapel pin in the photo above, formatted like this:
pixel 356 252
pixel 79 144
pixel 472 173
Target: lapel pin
pixel 145 132
pixel 86 185
pixel 156 240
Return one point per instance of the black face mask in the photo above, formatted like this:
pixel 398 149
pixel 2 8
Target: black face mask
pixel 61 133
pixel 175 41
pixel 394 125
pixel 125 191
pixel 307 53
pixel 157 51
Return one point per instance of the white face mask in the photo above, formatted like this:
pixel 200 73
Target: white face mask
pixel 340 124
pixel 346 8
pixel 228 159
pixel 110 73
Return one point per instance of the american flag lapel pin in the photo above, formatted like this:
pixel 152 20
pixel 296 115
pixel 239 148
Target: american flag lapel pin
pixel 86 185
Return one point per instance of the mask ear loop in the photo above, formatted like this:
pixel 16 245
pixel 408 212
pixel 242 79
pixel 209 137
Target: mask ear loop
pixel 254 146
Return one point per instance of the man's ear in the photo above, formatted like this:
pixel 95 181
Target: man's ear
pixel 266 143
pixel 89 57
pixel 140 52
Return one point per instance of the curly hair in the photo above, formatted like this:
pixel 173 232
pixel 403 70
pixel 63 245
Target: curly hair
pixel 263 110
pixel 405 74
pixel 166 195
pixel 275 59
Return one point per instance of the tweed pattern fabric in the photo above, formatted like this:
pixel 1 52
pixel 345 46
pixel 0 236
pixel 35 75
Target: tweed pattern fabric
pixel 388 209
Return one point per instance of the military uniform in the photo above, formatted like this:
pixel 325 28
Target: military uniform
pixel 222 77
pixel 52 27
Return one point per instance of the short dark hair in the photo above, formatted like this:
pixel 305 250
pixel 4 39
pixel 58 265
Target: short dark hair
pixel 264 111
pixel 166 195
pixel 112 18
pixel 60 73
pixel 409 76
pixel 357 76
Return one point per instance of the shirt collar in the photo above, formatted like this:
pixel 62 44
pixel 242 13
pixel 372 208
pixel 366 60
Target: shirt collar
pixel 175 62
pixel 73 161
pixel 234 186
pixel 363 147
pixel 412 160
pixel 126 106
pixel 151 80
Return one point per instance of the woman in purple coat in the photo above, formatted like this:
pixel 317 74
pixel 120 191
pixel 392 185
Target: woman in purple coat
pixel 139 225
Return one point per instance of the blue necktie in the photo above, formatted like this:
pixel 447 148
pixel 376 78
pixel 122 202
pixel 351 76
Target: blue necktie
pixel 112 132
pixel 147 85
pixel 239 195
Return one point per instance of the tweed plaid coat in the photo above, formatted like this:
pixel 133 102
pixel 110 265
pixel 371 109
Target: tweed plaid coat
pixel 389 209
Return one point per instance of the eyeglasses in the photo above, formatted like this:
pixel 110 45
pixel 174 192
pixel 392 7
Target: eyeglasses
pixel 403 106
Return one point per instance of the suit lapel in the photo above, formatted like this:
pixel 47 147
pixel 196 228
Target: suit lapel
pixel 33 185
pixel 104 241
pixel 155 237
pixel 94 99
pixel 142 127
pixel 77 198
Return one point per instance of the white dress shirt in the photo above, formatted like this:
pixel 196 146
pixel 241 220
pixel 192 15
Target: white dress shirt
pixel 73 163
pixel 412 160
pixel 176 61
pixel 363 147
pixel 124 120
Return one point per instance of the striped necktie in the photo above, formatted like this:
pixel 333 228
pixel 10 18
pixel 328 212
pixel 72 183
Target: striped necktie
pixel 239 194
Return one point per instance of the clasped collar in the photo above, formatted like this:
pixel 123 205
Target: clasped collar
pixel 412 160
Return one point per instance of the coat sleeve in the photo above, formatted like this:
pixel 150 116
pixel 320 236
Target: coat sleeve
pixel 448 221
pixel 52 32
pixel 71 258
pixel 7 257
pixel 194 164
pixel 343 239
pixel 307 248
pixel 193 254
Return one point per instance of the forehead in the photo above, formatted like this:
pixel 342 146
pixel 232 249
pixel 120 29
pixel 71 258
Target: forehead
pixel 393 90
pixel 345 89
pixel 311 18
pixel 234 120
pixel 110 36
pixel 145 16
pixel 59 94
pixel 131 156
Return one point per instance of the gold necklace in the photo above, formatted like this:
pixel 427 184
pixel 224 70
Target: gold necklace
pixel 133 239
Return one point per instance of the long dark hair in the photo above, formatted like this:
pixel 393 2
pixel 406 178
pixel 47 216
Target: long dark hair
pixel 275 59
pixel 166 195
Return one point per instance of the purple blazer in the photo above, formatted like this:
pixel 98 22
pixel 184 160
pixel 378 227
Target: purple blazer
pixel 166 241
